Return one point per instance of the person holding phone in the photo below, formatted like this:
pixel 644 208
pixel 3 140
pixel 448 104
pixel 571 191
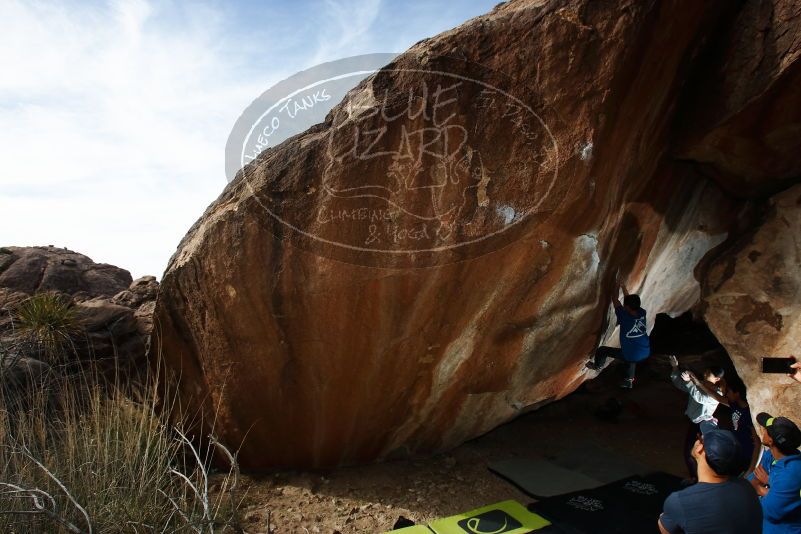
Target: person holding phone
pixel 789 366
pixel 795 370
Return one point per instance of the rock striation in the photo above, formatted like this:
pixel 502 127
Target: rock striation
pixel 439 253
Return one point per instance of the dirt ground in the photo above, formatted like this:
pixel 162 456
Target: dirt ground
pixel 367 499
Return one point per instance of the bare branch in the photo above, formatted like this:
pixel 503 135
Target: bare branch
pixel 204 496
pixel 187 480
pixel 180 512
pixel 231 480
pixel 36 495
pixel 80 508
pixel 234 470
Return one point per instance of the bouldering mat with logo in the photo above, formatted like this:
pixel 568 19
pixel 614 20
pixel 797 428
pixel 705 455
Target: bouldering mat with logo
pixel 507 517
pixel 416 529
pixel 629 505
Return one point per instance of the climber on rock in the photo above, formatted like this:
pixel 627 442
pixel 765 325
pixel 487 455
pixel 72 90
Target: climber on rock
pixel 634 343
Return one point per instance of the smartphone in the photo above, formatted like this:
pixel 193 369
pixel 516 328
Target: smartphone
pixel 778 365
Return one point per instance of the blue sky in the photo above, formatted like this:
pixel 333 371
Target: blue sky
pixel 114 115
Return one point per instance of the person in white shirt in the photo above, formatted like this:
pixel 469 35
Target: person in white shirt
pixel 701 405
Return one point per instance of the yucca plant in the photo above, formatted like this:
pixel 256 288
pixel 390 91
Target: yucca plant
pixel 49 323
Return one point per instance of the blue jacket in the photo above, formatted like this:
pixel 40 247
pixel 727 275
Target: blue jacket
pixel 781 507
pixel 633 335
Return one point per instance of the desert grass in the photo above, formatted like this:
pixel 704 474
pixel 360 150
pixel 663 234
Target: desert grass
pixel 82 453
pixel 79 456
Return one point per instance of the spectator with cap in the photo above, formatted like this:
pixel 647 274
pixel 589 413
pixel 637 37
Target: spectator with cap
pixel 777 479
pixel 720 502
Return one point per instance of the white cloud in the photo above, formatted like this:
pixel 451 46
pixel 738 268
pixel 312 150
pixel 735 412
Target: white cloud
pixel 346 30
pixel 112 129
pixel 114 117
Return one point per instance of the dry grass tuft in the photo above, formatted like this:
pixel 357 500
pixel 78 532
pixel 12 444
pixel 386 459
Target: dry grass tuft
pixel 83 454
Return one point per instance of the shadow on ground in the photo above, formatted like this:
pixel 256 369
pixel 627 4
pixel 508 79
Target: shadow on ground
pixel 645 424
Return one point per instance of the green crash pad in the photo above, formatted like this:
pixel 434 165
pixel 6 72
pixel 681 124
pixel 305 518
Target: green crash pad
pixel 507 517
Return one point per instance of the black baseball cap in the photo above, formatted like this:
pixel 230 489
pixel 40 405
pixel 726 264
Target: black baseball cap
pixel 722 452
pixel 784 432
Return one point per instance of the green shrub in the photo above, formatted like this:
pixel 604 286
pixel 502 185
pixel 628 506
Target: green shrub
pixel 49 322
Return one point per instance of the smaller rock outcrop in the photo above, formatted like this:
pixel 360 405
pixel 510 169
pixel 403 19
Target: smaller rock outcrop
pixel 141 290
pixel 35 269
pixel 114 311
pixel 141 296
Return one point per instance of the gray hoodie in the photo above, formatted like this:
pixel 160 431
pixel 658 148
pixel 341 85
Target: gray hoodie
pixel 700 406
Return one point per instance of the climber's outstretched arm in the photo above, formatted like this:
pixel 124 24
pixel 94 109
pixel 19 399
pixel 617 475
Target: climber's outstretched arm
pixel 615 299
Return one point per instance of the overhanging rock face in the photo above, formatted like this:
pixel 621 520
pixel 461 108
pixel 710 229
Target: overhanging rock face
pixel 441 250
pixel 752 302
pixel 744 115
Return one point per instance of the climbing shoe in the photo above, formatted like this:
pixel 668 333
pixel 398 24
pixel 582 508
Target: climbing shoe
pixel 592 366
pixel 628 383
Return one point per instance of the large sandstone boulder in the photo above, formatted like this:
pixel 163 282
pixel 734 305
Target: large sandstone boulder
pixel 441 250
pixel 752 302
